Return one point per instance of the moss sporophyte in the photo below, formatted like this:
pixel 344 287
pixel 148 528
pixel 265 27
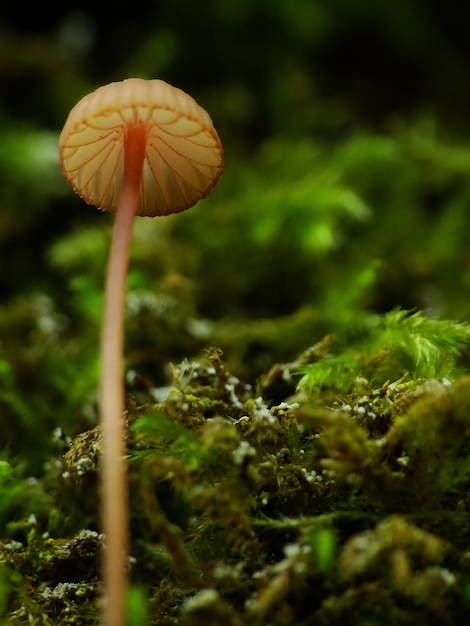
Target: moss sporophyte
pixel 136 147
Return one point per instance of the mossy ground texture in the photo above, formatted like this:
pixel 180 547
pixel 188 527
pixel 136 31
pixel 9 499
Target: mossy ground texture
pixel 346 501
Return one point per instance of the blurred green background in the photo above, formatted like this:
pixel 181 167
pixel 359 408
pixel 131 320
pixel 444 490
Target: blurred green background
pixel 346 192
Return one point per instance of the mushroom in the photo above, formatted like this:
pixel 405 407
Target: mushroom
pixel 135 147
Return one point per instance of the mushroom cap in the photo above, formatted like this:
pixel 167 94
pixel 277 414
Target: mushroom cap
pixel 183 153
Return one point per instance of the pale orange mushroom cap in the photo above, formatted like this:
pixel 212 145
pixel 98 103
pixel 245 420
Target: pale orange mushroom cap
pixel 183 153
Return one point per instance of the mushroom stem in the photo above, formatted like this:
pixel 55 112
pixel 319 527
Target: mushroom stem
pixel 114 502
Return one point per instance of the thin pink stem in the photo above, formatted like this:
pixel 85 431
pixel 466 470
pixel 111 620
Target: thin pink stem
pixel 114 482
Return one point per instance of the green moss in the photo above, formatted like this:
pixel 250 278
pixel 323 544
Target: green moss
pixel 254 512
